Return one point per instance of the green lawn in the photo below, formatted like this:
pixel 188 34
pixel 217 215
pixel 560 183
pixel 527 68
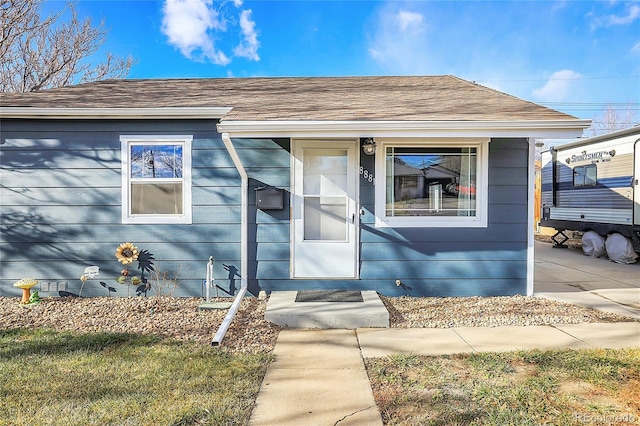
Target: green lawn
pixel 55 378
pixel 561 387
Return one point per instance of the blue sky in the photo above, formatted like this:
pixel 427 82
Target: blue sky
pixel 575 56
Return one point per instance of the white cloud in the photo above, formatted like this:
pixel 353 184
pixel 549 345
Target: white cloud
pixel 399 41
pixel 187 24
pixel 557 86
pixel 378 56
pixel 630 15
pixel 248 48
pixel 409 20
pixel 636 48
pixel 194 27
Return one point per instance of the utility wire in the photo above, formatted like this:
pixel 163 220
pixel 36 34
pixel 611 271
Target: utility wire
pixel 593 106
pixel 559 79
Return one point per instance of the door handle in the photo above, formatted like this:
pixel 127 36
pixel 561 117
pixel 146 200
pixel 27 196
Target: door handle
pixel 353 218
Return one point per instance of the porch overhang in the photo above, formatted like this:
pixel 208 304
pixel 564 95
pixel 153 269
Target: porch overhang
pixel 541 129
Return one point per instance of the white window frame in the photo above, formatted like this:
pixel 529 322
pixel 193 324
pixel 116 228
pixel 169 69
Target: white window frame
pixel 482 184
pixel 126 141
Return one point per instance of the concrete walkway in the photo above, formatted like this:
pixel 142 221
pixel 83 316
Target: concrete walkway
pixel 617 301
pixel 318 376
pixel 442 341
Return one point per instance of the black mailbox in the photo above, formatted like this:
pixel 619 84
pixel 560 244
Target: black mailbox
pixel 269 198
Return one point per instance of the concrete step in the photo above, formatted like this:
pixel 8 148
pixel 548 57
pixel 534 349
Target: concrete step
pixel 282 309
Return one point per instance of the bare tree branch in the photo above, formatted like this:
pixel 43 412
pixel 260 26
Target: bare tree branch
pixel 612 119
pixel 37 53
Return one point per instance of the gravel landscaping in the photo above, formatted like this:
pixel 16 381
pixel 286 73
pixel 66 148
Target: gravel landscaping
pixel 447 312
pixel 180 318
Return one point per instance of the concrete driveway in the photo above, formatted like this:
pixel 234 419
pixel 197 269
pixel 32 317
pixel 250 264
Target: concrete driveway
pixel 567 275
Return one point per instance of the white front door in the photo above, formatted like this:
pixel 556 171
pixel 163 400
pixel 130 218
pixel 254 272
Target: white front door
pixel 324 209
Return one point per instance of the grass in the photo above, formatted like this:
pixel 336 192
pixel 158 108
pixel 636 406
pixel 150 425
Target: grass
pixel 60 378
pixel 57 378
pixel 560 387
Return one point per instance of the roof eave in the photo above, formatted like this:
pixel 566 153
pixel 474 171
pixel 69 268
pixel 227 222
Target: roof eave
pixel 569 128
pixel 113 113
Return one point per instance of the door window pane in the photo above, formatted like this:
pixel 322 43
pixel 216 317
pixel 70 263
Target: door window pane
pixel 325 172
pixel 325 218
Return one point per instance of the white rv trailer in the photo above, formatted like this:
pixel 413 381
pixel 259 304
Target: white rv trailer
pixel 592 185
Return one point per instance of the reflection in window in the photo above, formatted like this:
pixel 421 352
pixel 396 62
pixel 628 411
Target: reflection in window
pixel 431 181
pixel 156 179
pixel 156 161
pixel 585 176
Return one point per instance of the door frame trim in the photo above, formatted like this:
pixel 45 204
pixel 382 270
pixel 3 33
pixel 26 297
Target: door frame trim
pixel 635 195
pixel 292 194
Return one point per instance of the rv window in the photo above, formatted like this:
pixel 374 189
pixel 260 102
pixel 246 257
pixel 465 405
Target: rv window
pixel 585 176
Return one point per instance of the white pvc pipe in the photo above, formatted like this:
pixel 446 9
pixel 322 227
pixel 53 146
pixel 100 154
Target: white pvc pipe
pixel 244 240
pixel 209 278
pixel 222 330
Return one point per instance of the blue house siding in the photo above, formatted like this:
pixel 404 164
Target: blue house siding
pixel 267 162
pixel 61 206
pixel 61 211
pixel 457 261
pixel 430 261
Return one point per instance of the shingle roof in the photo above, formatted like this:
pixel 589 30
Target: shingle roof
pixel 421 98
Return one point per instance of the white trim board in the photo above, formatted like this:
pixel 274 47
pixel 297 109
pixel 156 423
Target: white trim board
pixel 343 129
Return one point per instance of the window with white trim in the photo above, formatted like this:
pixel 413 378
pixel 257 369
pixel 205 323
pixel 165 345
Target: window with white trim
pixel 156 179
pixel 432 183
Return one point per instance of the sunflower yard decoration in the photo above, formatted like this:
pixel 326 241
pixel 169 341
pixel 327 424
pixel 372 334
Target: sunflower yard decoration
pixel 126 253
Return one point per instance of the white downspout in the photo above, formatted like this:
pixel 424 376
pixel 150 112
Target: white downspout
pixel 244 237
pixel 531 171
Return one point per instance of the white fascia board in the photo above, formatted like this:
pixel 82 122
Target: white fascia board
pixel 305 129
pixel 129 113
